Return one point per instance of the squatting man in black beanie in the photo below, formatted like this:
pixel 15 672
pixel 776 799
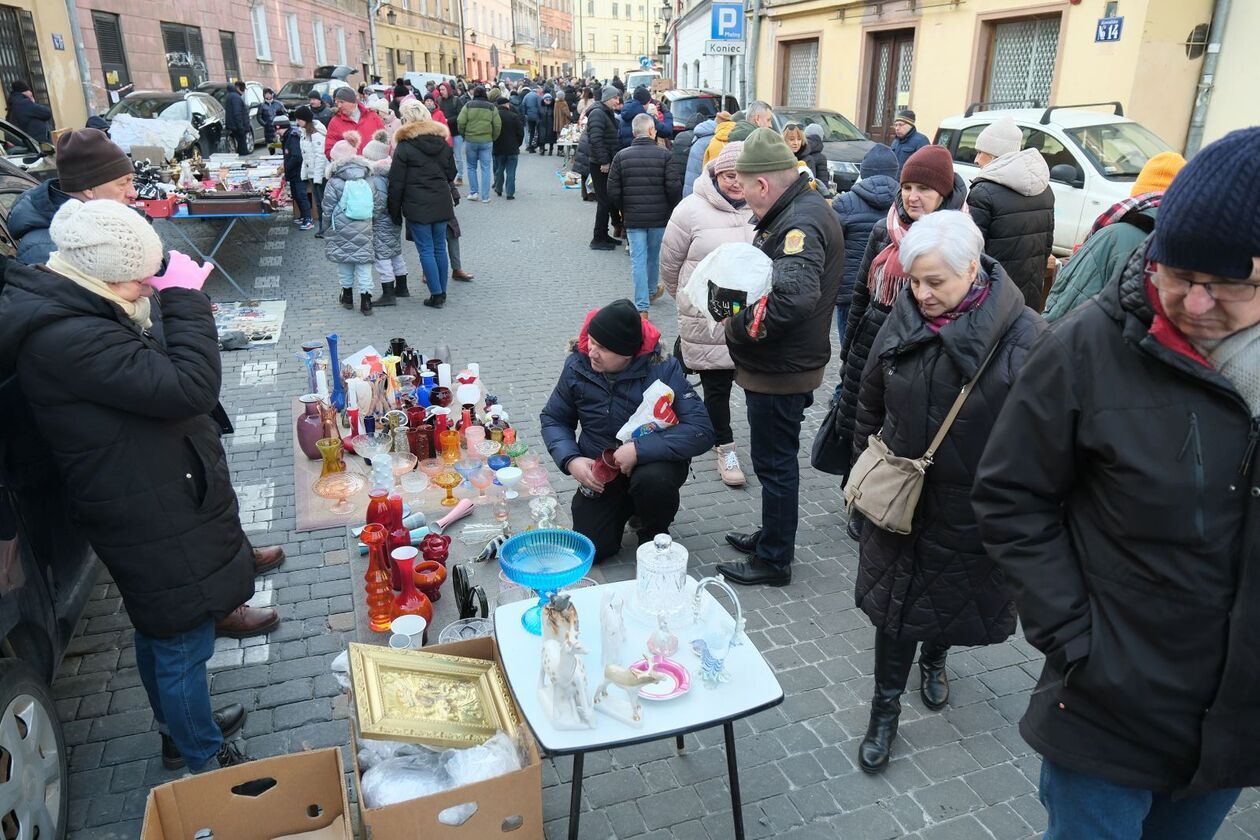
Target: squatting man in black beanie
pixel 615 359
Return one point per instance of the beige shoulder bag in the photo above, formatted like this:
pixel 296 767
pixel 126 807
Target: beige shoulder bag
pixel 884 487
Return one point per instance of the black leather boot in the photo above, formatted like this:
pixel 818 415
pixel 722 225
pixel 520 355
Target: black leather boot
pixel 400 286
pixel 347 298
pixel 435 301
pixel 229 719
pixel 933 684
pixel 365 304
pixel 387 295
pixel 893 659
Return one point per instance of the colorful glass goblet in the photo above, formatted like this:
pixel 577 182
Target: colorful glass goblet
pixel 509 477
pixel 448 481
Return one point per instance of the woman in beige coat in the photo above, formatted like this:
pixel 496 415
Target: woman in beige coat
pixel 714 213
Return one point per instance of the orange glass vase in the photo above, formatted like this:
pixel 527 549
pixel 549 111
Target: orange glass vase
pixel 380 595
pixel 410 601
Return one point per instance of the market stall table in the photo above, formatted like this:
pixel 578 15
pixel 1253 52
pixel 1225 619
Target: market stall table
pixel 228 222
pixel 752 688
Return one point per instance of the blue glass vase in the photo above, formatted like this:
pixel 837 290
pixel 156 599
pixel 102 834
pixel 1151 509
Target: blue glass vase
pixel 423 389
pixel 337 395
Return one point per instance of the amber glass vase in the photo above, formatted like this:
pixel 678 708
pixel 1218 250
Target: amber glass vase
pixel 380 595
pixel 330 450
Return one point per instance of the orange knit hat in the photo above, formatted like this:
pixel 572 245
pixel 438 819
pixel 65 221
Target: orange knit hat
pixel 1158 173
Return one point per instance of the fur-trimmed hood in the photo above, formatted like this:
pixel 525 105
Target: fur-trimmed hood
pixel 421 128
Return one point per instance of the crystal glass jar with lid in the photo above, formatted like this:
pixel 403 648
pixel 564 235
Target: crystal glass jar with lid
pixel 661 577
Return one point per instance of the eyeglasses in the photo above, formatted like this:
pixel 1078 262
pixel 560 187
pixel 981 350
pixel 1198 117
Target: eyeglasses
pixel 1224 292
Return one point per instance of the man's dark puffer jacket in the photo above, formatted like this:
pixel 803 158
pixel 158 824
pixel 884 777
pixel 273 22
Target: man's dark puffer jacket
pixel 601 126
pixel 637 185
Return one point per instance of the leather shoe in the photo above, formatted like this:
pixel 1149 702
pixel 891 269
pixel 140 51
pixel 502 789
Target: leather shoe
pixel 460 274
pixel 246 621
pixel 600 245
pixel 744 543
pixel 267 558
pixel 229 719
pixel 753 571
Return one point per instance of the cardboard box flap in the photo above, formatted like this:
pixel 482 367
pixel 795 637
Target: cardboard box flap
pixel 259 800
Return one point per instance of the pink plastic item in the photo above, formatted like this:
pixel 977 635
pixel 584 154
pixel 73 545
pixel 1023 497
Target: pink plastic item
pixel 182 272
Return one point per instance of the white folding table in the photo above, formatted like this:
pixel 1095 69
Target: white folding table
pixel 752 687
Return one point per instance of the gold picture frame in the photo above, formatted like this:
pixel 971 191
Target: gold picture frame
pixel 429 698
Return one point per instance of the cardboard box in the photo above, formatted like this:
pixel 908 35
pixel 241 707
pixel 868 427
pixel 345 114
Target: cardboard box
pixel 306 800
pixel 505 801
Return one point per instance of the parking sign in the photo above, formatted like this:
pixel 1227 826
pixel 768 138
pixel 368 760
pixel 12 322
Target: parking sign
pixel 728 22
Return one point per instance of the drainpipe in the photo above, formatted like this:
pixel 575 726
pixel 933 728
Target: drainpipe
pixel 1207 77
pixel 750 55
pixel 80 56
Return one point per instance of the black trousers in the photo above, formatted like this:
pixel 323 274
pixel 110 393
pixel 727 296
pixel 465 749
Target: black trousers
pixel 774 439
pixel 717 401
pixel 651 491
pixel 241 136
pixel 604 211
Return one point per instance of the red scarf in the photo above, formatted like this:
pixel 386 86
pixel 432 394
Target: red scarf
pixel 972 300
pixel 887 278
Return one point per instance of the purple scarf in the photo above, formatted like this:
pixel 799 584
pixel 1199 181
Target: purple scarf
pixel 974 298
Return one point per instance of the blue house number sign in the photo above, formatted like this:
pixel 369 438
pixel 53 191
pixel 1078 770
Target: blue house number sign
pixel 1108 30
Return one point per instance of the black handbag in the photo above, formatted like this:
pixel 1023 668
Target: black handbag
pixel 831 453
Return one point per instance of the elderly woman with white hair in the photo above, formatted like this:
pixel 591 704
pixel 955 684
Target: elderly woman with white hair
pixel 960 320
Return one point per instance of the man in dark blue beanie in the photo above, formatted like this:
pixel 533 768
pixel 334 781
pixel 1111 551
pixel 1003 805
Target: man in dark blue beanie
pixel 616 359
pixel 1119 494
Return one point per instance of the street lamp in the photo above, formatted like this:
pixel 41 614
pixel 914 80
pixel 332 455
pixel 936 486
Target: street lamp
pixel 656 28
pixel 391 17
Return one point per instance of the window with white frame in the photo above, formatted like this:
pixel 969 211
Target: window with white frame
pixel 341 45
pixel 262 42
pixel 321 44
pixel 295 39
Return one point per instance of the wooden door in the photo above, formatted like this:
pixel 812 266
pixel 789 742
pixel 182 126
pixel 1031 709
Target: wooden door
pixel 892 60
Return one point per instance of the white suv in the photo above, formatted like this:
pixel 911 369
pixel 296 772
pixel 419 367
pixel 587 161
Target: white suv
pixel 1094 157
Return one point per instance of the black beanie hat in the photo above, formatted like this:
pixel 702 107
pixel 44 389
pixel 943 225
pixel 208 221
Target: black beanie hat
pixel 618 327
pixel 641 95
pixel 87 158
pixel 303 112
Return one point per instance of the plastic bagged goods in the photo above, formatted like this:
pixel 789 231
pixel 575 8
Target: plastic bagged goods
pixel 729 279
pixel 395 772
pixel 654 414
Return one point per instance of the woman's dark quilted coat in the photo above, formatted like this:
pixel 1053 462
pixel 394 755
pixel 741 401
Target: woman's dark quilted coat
pixel 937 582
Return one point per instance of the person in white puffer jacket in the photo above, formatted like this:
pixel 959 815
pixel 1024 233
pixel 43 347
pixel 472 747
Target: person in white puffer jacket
pixel 712 215
pixel 314 161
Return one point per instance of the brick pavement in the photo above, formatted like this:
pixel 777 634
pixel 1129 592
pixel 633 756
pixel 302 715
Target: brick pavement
pixel 960 773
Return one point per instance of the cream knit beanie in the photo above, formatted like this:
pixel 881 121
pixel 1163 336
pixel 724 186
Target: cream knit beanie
pixel 106 240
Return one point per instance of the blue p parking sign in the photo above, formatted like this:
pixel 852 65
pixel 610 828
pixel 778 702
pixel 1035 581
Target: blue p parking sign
pixel 728 21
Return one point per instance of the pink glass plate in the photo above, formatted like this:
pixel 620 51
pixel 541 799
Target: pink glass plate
pixel 676 683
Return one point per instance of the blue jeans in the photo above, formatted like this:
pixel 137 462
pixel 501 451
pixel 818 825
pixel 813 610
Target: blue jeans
pixel 531 131
pixel 478 155
pixel 350 272
pixel 774 438
pixel 842 316
pixel 458 148
pixel 174 675
pixel 431 246
pixel 505 172
pixel 645 263
pixel 1079 805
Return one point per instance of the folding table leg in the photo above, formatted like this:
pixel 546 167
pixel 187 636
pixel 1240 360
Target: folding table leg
pixel 732 768
pixel 575 795
pixel 680 743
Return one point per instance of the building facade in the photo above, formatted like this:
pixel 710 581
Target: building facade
pixel 688 64
pixel 145 44
pixel 488 44
pixel 615 35
pixel 555 37
pixel 865 58
pixel 37 47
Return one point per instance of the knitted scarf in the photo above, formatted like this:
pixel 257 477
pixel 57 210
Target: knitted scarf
pixel 887 277
pixel 972 300
pixel 137 310
pixel 1237 358
pixel 1117 211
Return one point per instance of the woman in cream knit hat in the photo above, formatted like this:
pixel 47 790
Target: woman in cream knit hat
pixel 126 419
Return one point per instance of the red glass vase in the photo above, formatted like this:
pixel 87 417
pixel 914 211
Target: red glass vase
pixel 409 601
pixel 398 536
pixel 380 597
pixel 429 577
pixel 378 508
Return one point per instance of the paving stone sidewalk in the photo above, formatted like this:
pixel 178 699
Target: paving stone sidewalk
pixel 960 773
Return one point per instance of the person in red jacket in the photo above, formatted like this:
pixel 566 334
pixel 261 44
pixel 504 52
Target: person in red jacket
pixel 351 116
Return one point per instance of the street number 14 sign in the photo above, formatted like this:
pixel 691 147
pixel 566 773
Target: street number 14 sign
pixel 727 22
pixel 1108 30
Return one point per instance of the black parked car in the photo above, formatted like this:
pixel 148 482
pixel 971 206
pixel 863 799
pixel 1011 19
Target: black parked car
pixel 47 573
pixel 688 106
pixel 253 97
pixel 199 108
pixel 326 81
pixel 844 144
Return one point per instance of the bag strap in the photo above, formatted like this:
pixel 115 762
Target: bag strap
pixel 957 406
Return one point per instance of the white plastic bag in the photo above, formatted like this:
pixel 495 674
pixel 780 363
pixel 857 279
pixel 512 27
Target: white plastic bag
pixel 395 772
pixel 654 414
pixel 732 277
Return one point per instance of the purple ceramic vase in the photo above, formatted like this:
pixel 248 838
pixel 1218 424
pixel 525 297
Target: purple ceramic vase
pixel 309 427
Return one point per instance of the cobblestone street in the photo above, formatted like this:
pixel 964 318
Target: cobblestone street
pixel 961 773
